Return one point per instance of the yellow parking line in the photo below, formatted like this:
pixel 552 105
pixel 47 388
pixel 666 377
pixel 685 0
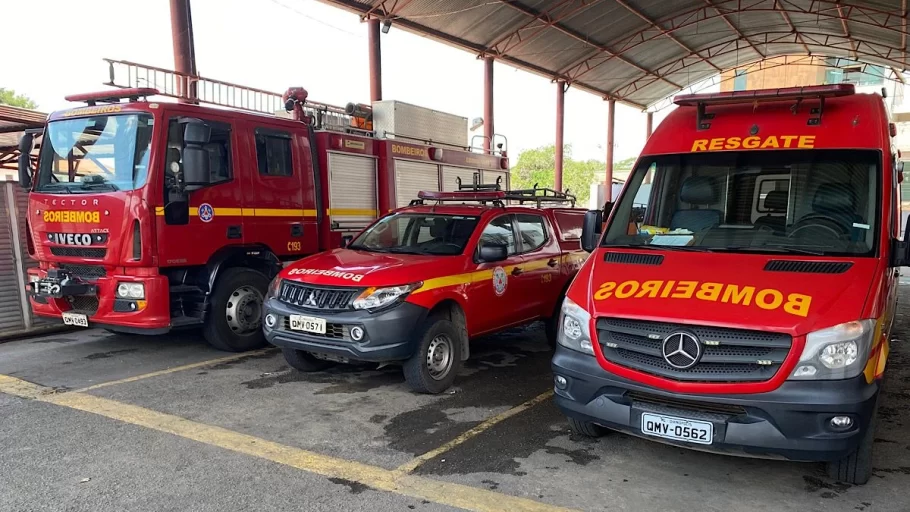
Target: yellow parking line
pixel 416 462
pixel 445 493
pixel 225 359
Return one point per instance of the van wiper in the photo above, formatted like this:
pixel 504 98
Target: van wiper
pixel 684 248
pixel 775 249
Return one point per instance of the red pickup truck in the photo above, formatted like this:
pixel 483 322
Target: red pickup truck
pixel 420 282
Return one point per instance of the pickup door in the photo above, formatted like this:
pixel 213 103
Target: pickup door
pixel 539 278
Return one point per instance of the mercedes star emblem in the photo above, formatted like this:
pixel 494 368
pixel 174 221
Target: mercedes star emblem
pixel 681 350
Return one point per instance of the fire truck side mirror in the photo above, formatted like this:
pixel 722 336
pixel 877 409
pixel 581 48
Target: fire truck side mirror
pixel 25 163
pixel 591 229
pixel 196 158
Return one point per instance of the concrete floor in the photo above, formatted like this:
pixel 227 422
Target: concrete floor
pixel 119 448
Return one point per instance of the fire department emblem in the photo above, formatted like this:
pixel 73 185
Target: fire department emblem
pixel 206 212
pixel 500 281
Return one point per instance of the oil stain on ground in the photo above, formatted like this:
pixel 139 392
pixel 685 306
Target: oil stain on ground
pixel 353 487
pixel 112 353
pixel 234 362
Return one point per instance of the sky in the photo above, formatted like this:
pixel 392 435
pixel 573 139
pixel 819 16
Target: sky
pixel 274 44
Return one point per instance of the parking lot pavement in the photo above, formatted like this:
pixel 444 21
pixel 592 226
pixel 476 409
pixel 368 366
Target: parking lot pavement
pixel 92 421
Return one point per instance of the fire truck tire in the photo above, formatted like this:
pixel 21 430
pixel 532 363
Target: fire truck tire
pixel 586 428
pixel 856 468
pixel 437 359
pixel 234 321
pixel 304 361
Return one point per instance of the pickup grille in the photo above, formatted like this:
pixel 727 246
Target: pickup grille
pixel 317 298
pixel 728 355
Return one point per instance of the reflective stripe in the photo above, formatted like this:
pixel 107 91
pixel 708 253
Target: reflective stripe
pixel 351 212
pixel 249 212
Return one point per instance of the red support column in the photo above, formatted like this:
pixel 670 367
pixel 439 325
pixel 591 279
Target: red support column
pixel 611 123
pixel 375 61
pixel 488 104
pixel 184 52
pixel 560 124
pixel 649 128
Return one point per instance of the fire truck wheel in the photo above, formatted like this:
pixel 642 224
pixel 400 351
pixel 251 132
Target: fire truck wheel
pixel 304 361
pixel 585 428
pixel 437 359
pixel 856 468
pixel 234 322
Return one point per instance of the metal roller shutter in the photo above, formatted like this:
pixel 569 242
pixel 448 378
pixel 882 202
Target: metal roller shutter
pixel 27 261
pixel 450 184
pixel 490 177
pixel 411 178
pixel 10 303
pixel 352 191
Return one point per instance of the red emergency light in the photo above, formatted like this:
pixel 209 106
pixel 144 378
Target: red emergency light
pixel 114 96
pixel 783 94
pixel 479 195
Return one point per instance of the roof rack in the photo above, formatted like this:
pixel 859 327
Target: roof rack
pixel 493 193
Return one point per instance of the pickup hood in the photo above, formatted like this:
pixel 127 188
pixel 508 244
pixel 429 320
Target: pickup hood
pixel 732 290
pixel 345 267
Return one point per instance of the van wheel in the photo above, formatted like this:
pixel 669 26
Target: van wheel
pixel 585 428
pixel 234 319
pixel 856 468
pixel 304 361
pixel 551 325
pixel 437 359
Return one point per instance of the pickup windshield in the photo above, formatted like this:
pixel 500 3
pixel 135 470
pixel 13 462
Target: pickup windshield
pixel 95 154
pixel 409 233
pixel 823 202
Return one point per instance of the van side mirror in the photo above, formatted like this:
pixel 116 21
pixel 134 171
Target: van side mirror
pixel 196 162
pixel 591 229
pixel 26 143
pixel 900 249
pixel 491 253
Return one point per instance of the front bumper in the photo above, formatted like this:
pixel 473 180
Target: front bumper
pixel 388 334
pixel 96 298
pixel 790 422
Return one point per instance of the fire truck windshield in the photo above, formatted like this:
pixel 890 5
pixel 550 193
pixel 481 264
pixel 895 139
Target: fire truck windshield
pixel 410 233
pixel 95 154
pixel 824 202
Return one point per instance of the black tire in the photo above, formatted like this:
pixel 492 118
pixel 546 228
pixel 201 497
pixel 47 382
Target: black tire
pixel 585 428
pixel 304 361
pixel 218 331
pixel 437 338
pixel 856 468
pixel 551 325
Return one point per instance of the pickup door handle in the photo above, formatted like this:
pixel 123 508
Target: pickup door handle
pixel 517 271
pixel 552 263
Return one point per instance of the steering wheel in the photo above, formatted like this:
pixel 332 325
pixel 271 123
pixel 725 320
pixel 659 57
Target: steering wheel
pixel 820 222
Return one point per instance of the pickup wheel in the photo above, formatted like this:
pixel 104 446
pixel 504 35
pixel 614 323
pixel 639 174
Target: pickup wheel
pixel 304 361
pixel 551 325
pixel 437 359
pixel 585 428
pixel 234 320
pixel 856 468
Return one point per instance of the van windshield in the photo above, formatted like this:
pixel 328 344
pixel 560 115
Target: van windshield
pixel 822 202
pixel 408 233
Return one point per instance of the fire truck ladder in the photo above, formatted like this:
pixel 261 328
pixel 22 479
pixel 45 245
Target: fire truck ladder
pixel 125 74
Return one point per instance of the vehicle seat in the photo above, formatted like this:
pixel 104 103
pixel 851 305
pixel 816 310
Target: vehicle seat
pixel 776 203
pixel 217 161
pixel 462 231
pixel 697 190
pixel 837 202
pixel 438 230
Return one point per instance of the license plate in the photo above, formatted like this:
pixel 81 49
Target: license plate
pixel 307 323
pixel 75 319
pixel 47 288
pixel 678 429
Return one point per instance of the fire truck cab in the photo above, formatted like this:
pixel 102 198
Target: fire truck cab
pixel 415 286
pixel 747 308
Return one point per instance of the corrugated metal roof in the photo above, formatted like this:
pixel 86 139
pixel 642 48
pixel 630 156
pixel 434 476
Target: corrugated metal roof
pixel 641 51
pixel 15 119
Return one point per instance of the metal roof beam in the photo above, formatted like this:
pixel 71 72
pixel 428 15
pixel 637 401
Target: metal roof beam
pixel 514 39
pixel 736 30
pixel 843 24
pixel 384 10
pixel 792 28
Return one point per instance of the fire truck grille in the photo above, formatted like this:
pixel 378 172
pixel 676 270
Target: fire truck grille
pixel 83 304
pixel 333 331
pixel 727 355
pixel 317 298
pixel 88 272
pixel 79 252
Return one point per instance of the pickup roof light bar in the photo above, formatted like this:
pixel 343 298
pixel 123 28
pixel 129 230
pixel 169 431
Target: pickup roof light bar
pixel 133 94
pixel 797 94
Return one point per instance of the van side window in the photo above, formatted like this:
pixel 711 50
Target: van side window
pixel 273 152
pixel 533 232
pixel 499 231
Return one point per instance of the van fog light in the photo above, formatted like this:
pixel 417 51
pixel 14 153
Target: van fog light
pixel 841 422
pixel 805 370
pixel 561 382
pixel 270 320
pixel 356 333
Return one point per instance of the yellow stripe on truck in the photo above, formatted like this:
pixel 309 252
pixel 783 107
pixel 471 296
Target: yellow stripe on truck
pixel 249 212
pixel 351 212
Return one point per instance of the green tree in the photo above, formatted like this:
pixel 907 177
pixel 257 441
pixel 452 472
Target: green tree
pixel 536 166
pixel 9 97
pixel 624 165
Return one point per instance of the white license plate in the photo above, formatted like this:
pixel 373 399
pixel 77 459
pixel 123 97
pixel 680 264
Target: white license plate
pixel 307 323
pixel 75 319
pixel 678 429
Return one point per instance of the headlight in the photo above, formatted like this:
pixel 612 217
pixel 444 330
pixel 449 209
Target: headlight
pixel 274 286
pixel 375 298
pixel 838 352
pixel 574 328
pixel 130 290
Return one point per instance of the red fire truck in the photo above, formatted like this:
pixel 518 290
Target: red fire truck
pixel 748 308
pixel 147 215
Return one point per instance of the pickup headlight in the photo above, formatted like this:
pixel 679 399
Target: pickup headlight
pixel 375 298
pixel 274 286
pixel 835 353
pixel 132 291
pixel 575 328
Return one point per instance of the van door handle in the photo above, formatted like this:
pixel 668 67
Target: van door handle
pixel 552 263
pixel 517 271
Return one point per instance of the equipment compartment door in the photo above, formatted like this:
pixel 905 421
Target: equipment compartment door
pixel 449 175
pixel 411 178
pixel 489 177
pixel 352 192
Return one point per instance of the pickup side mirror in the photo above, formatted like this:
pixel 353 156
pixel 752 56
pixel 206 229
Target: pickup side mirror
pixel 591 229
pixel 25 163
pixel 491 253
pixel 196 159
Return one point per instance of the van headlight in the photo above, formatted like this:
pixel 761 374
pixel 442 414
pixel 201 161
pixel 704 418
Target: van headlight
pixel 835 353
pixel 376 298
pixel 575 328
pixel 130 291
